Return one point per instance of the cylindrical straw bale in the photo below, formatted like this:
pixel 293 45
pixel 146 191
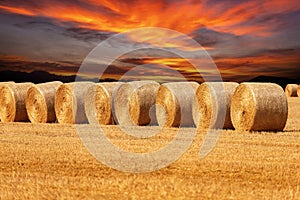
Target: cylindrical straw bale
pixel 291 90
pixel 69 102
pixel 174 104
pixel 298 91
pixel 259 107
pixel 98 103
pixel 40 102
pixel 1 84
pixel 12 102
pixel 134 103
pixel 8 82
pixel 211 106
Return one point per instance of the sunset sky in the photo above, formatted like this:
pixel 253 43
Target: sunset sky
pixel 246 39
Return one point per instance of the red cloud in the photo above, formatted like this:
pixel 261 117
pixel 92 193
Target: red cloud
pixel 183 16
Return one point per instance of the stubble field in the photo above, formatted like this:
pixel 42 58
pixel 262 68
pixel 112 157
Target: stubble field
pixel 49 161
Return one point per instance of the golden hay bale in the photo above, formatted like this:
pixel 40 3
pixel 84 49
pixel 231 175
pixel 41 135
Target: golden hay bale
pixel 12 102
pixel 259 107
pixel 2 83
pixel 298 91
pixel 40 102
pixel 211 106
pixel 98 103
pixel 8 82
pixel 174 104
pixel 69 102
pixel 133 103
pixel 291 90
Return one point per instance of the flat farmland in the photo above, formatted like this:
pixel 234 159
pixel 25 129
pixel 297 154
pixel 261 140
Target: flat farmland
pixel 49 161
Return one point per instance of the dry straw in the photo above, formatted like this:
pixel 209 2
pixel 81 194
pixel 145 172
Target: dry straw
pixel 8 82
pixel 174 104
pixel 69 102
pixel 259 107
pixel 211 106
pixel 98 103
pixel 134 103
pixel 298 91
pixel 1 84
pixel 40 102
pixel 12 102
pixel 291 90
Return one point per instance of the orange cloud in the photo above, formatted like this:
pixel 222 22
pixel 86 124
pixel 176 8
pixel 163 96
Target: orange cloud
pixel 17 10
pixel 183 16
pixel 245 17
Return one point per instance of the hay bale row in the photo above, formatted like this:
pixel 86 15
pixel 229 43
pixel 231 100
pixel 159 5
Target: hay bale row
pixel 245 107
pixel 249 106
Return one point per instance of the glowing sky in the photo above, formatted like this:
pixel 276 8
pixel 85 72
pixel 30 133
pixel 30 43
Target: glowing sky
pixel 245 38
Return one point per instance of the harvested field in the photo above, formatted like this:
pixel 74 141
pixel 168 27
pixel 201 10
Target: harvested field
pixel 49 161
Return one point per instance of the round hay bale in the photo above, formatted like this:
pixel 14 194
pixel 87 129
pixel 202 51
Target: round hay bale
pixel 291 90
pixel 259 107
pixel 8 82
pixel 98 103
pixel 174 104
pixel 69 102
pixel 298 91
pixel 40 102
pixel 2 83
pixel 133 103
pixel 12 102
pixel 211 106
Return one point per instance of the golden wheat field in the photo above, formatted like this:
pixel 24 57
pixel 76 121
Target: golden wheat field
pixel 49 161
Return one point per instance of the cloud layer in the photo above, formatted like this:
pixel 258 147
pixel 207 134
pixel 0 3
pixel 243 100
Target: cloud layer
pixel 245 38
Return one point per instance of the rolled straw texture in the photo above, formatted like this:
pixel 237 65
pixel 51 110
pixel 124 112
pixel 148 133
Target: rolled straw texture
pixel 174 104
pixel 12 102
pixel 8 82
pixel 211 106
pixel 259 107
pixel 1 84
pixel 69 102
pixel 40 102
pixel 98 103
pixel 134 103
pixel 291 90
